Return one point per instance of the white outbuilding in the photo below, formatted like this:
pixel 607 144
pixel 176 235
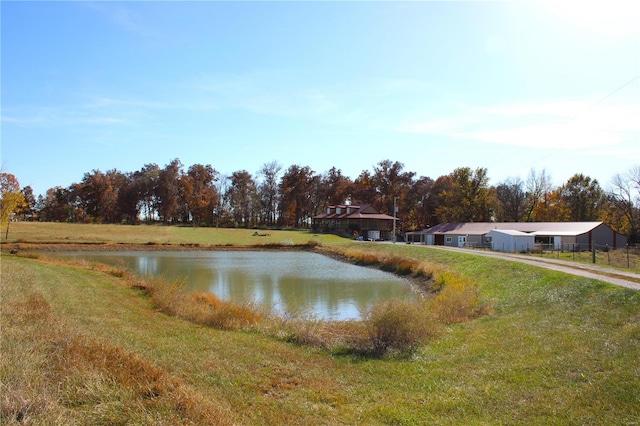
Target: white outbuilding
pixel 509 240
pixel 517 236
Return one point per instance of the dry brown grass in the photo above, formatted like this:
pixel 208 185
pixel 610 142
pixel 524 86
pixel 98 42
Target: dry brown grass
pixel 53 374
pixel 201 308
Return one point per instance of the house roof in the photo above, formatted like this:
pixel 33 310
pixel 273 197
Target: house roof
pixel 533 228
pixel 359 213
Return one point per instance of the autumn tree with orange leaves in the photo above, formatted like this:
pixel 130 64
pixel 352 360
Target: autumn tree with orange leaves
pixel 11 200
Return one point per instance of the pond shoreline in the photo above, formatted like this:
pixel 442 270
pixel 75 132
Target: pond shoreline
pixel 419 285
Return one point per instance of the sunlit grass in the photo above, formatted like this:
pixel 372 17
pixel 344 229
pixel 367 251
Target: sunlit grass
pixel 554 349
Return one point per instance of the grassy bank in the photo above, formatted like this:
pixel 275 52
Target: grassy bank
pixel 556 349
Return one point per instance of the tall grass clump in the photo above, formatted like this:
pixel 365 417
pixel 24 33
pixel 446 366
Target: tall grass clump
pixel 390 263
pixel 201 308
pixel 398 265
pixel 360 257
pixel 425 270
pixel 296 325
pixel 395 264
pixel 457 300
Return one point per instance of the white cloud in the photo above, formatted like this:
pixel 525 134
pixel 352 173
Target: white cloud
pixel 61 116
pixel 548 125
pixel 602 20
pixel 266 92
pixel 125 19
pixel 102 102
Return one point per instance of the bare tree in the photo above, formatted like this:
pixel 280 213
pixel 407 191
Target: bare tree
pixel 537 188
pixel 511 200
pixel 268 192
pixel 624 196
pixel 222 211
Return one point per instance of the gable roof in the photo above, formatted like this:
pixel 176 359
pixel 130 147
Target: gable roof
pixel 533 228
pixel 362 211
pixel 511 232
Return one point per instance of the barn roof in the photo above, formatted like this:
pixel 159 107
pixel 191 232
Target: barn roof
pixel 533 228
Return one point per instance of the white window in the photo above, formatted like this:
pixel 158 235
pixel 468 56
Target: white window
pixel 448 239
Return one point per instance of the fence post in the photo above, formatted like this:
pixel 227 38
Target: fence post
pixel 628 262
pixel 593 253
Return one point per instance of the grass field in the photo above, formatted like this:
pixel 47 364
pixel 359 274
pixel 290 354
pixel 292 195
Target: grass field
pixel 82 347
pixel 35 232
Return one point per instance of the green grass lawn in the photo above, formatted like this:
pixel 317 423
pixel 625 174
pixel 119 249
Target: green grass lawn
pixel 556 349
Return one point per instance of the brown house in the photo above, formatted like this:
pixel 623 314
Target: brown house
pixel 359 220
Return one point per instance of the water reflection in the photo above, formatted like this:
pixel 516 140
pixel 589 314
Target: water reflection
pixel 285 280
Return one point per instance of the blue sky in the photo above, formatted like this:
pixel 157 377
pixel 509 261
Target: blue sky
pixel 509 86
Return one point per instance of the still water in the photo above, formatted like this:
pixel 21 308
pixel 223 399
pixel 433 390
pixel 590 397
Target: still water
pixel 322 286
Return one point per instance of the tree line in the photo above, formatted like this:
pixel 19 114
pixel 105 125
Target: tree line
pixel 277 197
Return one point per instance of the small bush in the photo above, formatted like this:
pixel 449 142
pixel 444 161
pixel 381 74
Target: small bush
pixel 397 326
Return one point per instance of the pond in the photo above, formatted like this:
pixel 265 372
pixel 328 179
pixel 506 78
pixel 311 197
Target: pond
pixel 321 286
